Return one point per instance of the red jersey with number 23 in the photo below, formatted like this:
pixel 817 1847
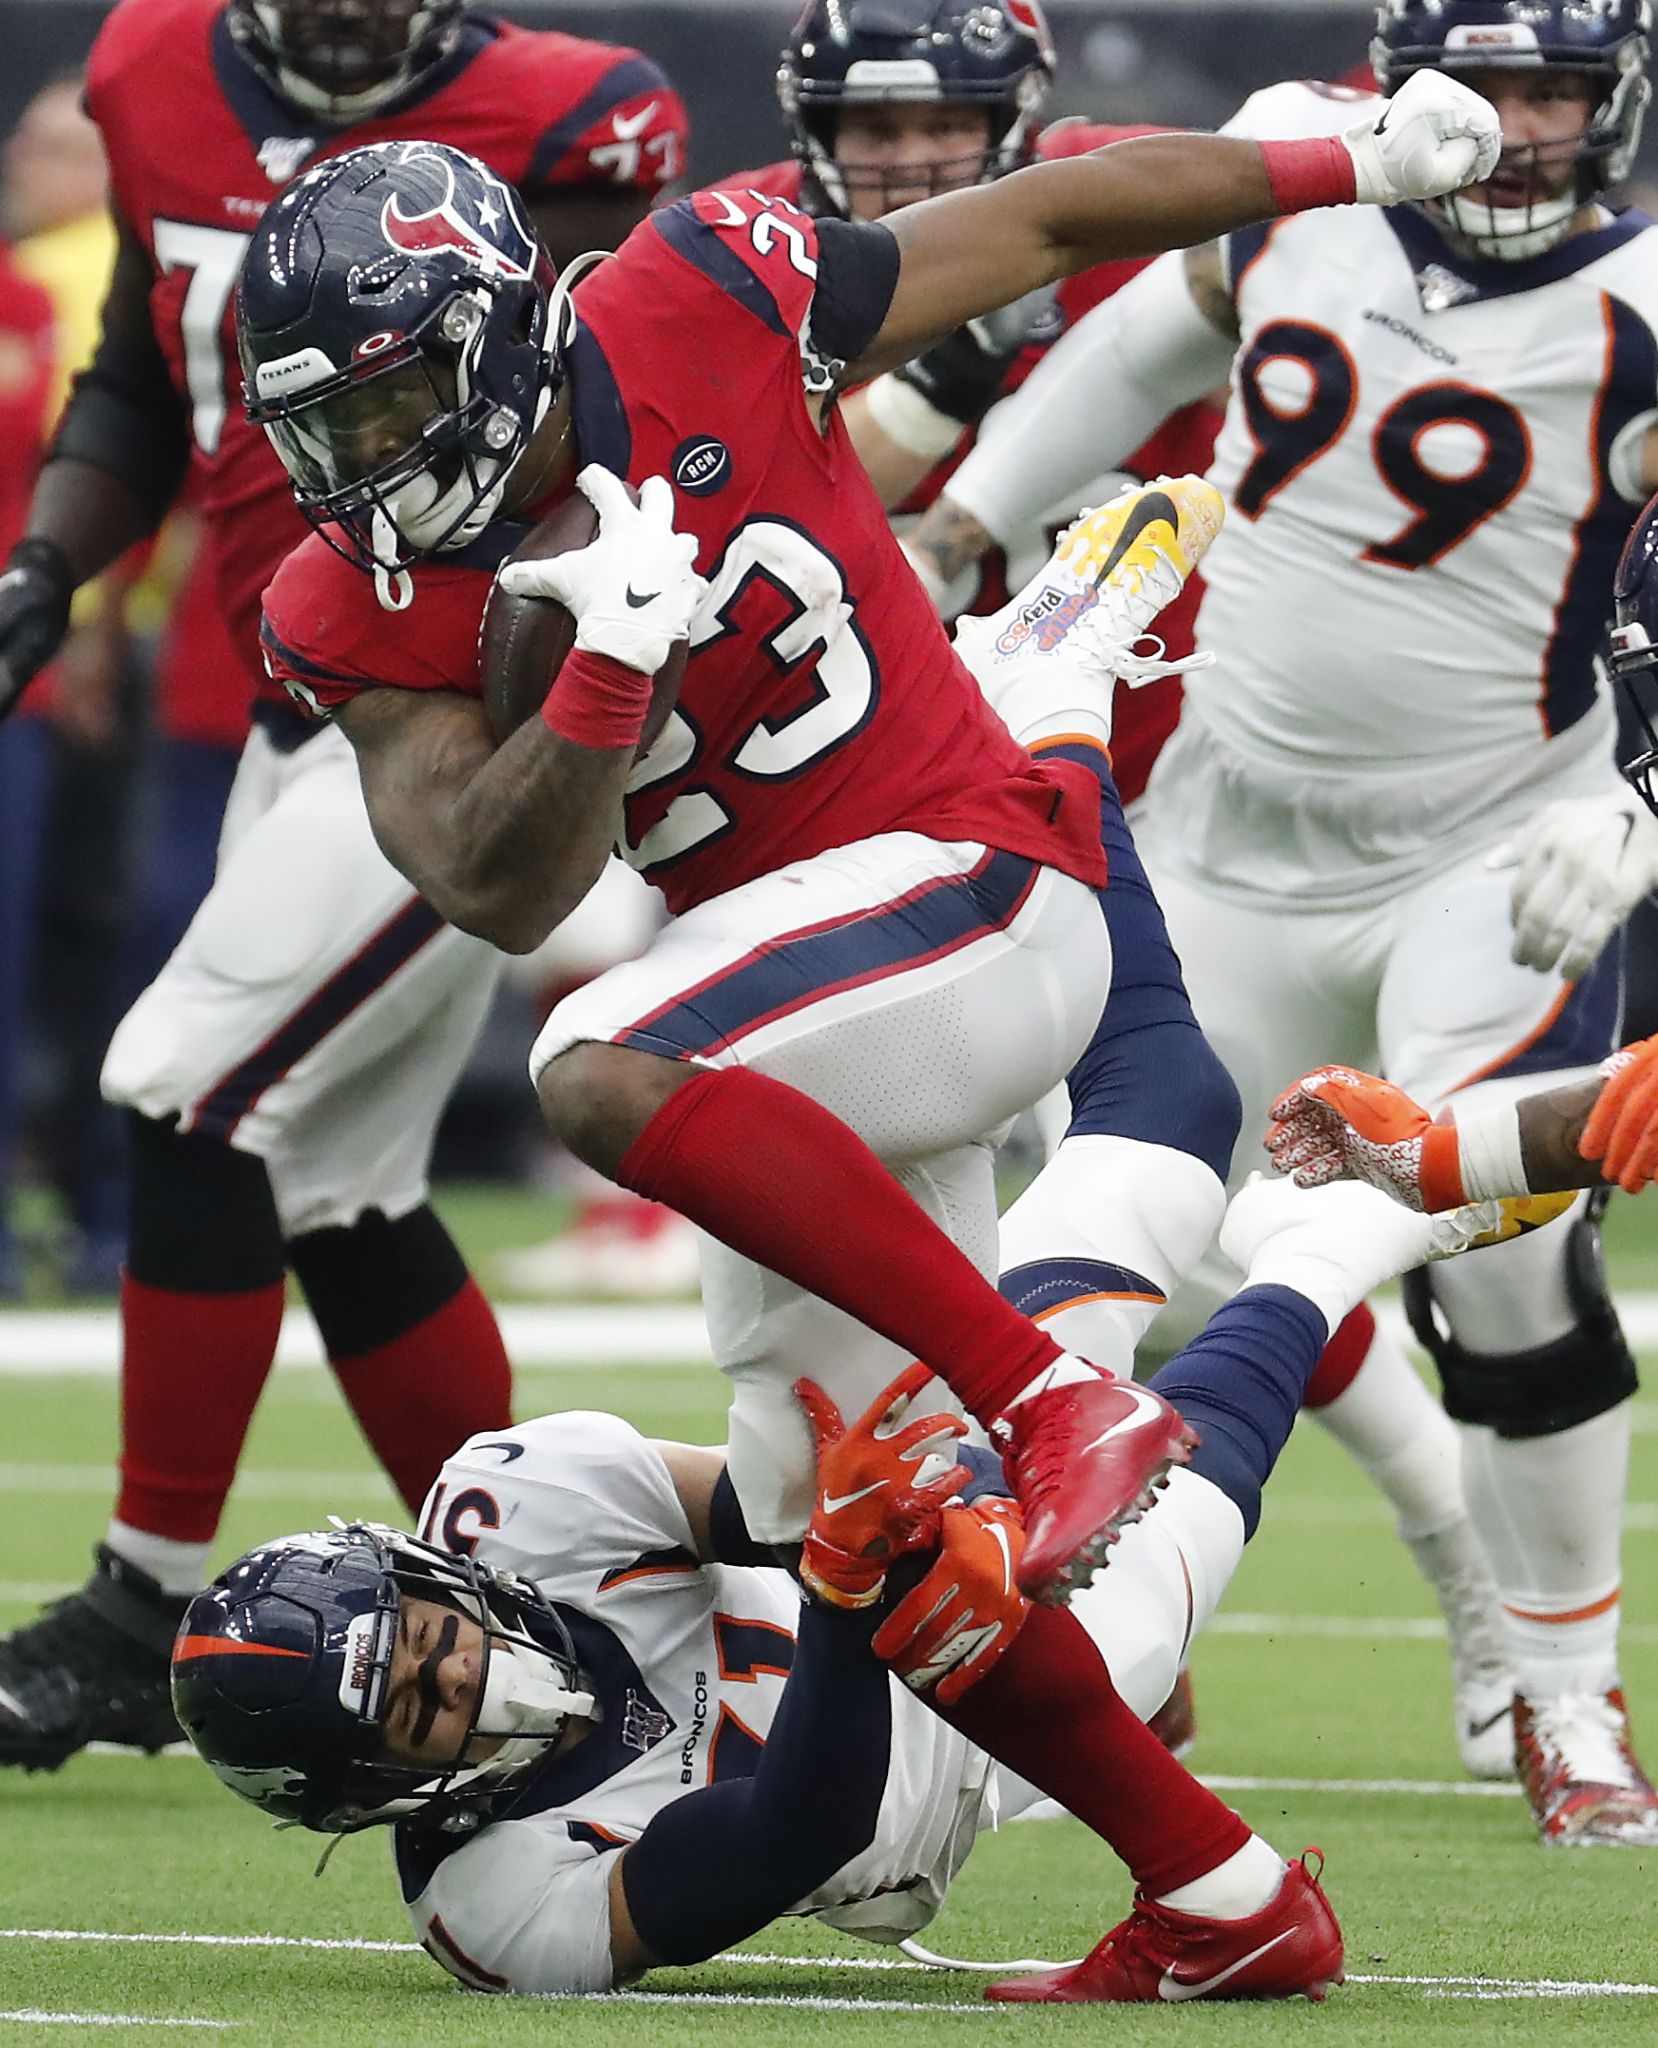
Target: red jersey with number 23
pixel 199 146
pixel 822 702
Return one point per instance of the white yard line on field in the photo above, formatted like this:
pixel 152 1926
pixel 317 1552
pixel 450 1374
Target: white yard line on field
pixel 27 2016
pixel 1436 1987
pixel 36 1342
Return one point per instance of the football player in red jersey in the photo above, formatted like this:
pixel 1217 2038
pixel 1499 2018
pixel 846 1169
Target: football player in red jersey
pixel 285 1071
pixel 886 937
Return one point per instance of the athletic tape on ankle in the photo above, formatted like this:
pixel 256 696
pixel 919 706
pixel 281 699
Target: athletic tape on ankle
pixel 1492 1158
pixel 597 702
pixel 1305 175
pixel 905 417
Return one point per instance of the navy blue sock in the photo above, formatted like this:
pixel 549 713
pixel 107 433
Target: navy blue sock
pixel 1240 1386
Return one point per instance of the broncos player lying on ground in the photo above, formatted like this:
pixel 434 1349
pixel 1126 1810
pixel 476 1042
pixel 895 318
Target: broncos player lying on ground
pixel 1441 428
pixel 579 1725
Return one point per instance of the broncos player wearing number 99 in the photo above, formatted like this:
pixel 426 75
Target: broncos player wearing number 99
pixel 886 938
pixel 284 1073
pixel 1441 430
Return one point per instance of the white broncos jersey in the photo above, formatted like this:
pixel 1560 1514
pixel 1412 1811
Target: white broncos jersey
pixel 688 1662
pixel 1432 464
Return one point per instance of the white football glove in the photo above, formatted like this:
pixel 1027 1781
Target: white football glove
pixel 633 590
pixel 1585 864
pixel 1434 136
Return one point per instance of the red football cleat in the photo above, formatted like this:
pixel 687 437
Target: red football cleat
pixel 1290 1949
pixel 1580 1773
pixel 1083 1461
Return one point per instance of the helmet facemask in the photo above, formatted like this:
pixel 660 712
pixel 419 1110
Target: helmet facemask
pixel 343 59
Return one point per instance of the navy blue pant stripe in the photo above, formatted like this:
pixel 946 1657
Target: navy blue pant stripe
pixel 392 947
pixel 786 973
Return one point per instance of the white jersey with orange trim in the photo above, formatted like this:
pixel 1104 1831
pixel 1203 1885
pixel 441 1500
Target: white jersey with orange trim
pixel 1432 465
pixel 688 1662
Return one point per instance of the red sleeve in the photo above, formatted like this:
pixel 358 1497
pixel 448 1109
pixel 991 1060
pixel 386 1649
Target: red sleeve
pixel 628 128
pixel 326 638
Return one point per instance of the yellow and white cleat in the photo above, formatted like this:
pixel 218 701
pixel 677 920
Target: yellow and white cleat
pixel 1477 1225
pixel 1083 622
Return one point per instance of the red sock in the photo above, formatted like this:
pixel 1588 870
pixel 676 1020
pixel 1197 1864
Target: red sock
pixel 1050 1712
pixel 774 1175
pixel 1338 1366
pixel 193 1368
pixel 421 1395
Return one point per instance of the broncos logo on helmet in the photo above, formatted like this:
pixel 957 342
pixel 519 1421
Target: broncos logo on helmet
pixel 1604 42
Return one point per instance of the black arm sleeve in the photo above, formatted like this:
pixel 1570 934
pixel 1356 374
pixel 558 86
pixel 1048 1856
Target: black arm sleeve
pixel 124 414
pixel 857 276
pixel 729 1532
pixel 723 1862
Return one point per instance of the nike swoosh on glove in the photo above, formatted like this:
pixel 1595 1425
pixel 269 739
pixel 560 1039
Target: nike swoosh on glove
pixel 960 1621
pixel 1434 136
pixel 634 589
pixel 1582 867
pixel 882 1483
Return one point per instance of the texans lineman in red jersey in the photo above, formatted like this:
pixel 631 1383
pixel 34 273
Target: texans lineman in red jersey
pixel 886 938
pixel 285 1071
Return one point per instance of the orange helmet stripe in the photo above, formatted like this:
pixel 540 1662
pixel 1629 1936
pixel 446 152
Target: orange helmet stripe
pixel 225 1646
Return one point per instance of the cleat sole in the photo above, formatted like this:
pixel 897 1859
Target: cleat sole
pixel 1093 1555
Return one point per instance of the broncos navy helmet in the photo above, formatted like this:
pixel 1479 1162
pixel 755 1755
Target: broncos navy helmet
pixel 1635 641
pixel 399 345
pixel 1605 42
pixel 343 59
pixel 994 54
pixel 280 1671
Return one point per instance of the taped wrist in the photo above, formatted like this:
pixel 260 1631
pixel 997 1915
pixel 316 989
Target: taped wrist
pixel 725 1861
pixel 1489 1158
pixel 597 702
pixel 909 418
pixel 1305 175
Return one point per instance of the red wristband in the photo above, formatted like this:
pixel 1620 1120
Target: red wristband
pixel 1441 1172
pixel 597 702
pixel 1304 175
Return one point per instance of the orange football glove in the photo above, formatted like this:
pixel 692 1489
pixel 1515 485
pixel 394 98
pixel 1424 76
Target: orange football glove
pixel 876 1499
pixel 1622 1131
pixel 1339 1124
pixel 962 1618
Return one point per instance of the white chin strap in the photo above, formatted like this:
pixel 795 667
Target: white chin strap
pixel 1509 234
pixel 525 1704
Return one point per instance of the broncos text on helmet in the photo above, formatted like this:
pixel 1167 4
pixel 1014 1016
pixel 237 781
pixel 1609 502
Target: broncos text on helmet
pixel 1603 42
pixel 401 339
pixel 280 1672
pixel 994 55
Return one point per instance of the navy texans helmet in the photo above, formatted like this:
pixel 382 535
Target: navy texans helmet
pixel 994 54
pixel 343 59
pixel 401 338
pixel 1603 41
pixel 280 1672
pixel 1635 641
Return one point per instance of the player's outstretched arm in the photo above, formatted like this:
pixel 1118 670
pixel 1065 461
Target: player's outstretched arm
pixel 1338 1124
pixel 965 253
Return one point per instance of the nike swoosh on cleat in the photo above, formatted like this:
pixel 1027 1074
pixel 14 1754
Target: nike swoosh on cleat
pixel 637 602
pixel 833 1503
pixel 1144 1403
pixel 1155 505
pixel 13 1705
pixel 1484 1727
pixel 1174 1989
